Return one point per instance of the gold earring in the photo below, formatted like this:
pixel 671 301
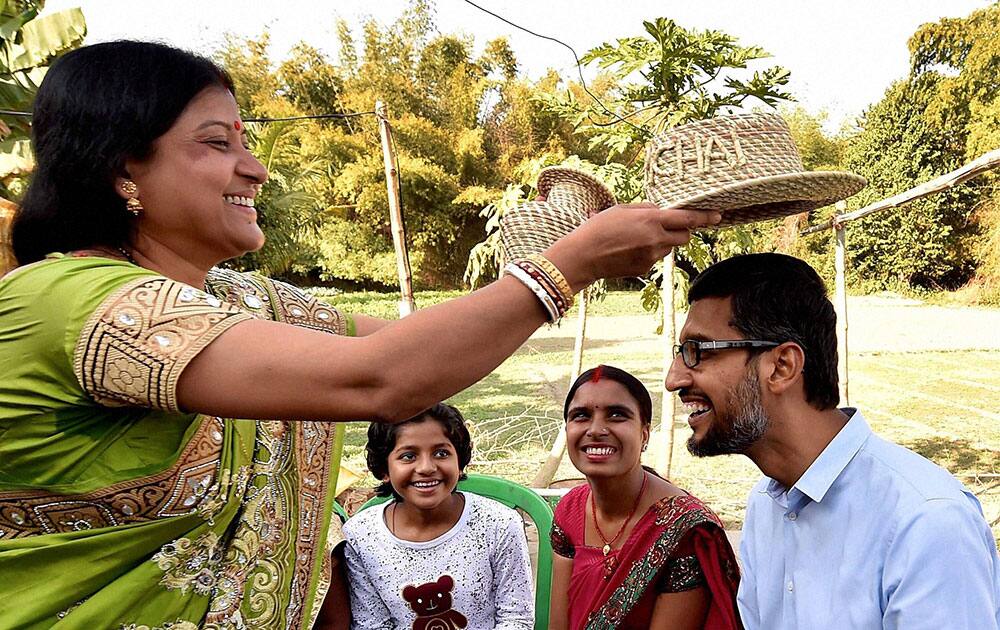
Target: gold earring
pixel 132 204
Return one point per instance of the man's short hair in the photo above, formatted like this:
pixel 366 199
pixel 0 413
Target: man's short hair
pixel 780 298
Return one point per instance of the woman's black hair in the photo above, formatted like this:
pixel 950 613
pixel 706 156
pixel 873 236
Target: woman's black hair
pixel 629 382
pixel 382 439
pixel 99 106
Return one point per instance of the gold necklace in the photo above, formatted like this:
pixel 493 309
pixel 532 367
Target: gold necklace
pixel 593 510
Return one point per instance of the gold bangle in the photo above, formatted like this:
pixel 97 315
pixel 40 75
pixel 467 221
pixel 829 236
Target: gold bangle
pixel 558 279
pixel 543 279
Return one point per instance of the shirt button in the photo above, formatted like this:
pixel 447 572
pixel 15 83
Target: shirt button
pixel 791 586
pixel 792 516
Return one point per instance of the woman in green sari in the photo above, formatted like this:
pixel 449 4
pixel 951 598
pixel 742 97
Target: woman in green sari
pixel 131 494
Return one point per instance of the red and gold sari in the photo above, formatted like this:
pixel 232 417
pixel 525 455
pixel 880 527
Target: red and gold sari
pixel 677 545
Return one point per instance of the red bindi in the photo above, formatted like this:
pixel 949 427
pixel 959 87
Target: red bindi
pixel 237 125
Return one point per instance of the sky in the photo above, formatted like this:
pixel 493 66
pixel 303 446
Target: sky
pixel 842 54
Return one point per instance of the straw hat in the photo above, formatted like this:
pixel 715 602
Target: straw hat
pixel 745 166
pixel 571 197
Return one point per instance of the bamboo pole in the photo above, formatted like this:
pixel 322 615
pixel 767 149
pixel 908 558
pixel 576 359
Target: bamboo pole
pixel 668 409
pixel 983 163
pixel 406 303
pixel 7 261
pixel 838 222
pixel 840 305
pixel 547 472
pixel 337 457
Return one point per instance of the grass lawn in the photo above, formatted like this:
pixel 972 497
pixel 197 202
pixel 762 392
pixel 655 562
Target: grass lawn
pixel 943 405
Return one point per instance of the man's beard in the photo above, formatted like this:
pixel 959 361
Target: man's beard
pixel 741 427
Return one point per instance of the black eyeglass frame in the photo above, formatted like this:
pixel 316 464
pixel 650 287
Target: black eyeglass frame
pixel 717 345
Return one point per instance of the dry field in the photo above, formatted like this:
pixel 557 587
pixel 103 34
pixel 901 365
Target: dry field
pixel 926 377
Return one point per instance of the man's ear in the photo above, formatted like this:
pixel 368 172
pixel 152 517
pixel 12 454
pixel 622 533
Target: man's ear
pixel 785 365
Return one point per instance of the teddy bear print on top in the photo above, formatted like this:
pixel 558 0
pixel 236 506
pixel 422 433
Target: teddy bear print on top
pixel 485 555
pixel 432 603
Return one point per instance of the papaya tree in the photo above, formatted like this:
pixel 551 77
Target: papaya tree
pixel 669 76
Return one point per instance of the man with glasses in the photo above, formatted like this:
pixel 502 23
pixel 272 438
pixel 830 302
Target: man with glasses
pixel 846 529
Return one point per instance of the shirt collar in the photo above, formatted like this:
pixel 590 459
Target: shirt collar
pixel 821 474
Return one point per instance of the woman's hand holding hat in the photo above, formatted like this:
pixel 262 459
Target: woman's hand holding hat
pixel 624 240
pixel 576 223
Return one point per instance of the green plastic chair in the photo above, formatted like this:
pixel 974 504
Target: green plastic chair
pixel 339 510
pixel 516 496
pixel 337 459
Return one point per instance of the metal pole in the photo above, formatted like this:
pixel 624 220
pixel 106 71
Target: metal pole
pixel 840 304
pixel 406 303
pixel 665 454
pixel 548 470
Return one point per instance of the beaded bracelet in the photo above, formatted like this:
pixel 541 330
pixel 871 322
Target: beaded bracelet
pixel 555 276
pixel 543 296
pixel 547 283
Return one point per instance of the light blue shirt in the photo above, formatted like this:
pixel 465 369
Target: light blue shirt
pixel 871 536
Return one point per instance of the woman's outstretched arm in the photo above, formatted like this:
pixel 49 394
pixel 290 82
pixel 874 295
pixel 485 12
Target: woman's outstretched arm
pixel 260 369
pixel 365 325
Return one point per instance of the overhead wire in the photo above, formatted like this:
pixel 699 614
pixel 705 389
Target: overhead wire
pixel 260 119
pixel 338 116
pixel 579 68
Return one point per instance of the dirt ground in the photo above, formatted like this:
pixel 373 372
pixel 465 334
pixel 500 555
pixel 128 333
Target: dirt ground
pixel 925 376
pixel 895 324
pixel 879 323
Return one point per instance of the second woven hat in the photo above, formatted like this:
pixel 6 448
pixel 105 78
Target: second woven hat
pixel 745 166
pixel 571 196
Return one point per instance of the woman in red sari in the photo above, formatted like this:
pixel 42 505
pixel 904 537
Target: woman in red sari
pixel 632 550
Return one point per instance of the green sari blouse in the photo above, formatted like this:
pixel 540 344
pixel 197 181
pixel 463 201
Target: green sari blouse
pixel 117 508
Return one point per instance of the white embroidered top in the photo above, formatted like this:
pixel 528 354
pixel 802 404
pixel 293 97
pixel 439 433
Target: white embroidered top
pixel 477 572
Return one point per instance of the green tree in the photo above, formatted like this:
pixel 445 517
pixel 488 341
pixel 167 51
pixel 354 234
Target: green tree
pixel 687 74
pixel 966 107
pixel 920 243
pixel 927 124
pixel 819 150
pixel 28 45
pixel 464 126
pixel 669 76
pixel 964 55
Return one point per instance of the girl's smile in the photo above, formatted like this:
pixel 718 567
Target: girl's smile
pixel 423 466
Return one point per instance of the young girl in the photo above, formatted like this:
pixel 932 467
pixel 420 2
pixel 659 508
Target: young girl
pixel 434 558
pixel 632 550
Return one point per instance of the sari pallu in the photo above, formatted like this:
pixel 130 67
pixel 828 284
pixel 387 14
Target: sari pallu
pixel 678 543
pixel 231 530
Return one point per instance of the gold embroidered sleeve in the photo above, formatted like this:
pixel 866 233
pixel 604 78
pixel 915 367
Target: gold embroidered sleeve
pixel 301 309
pixel 134 347
pixel 266 298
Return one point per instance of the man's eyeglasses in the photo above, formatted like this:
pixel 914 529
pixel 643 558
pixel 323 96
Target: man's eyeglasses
pixel 691 349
